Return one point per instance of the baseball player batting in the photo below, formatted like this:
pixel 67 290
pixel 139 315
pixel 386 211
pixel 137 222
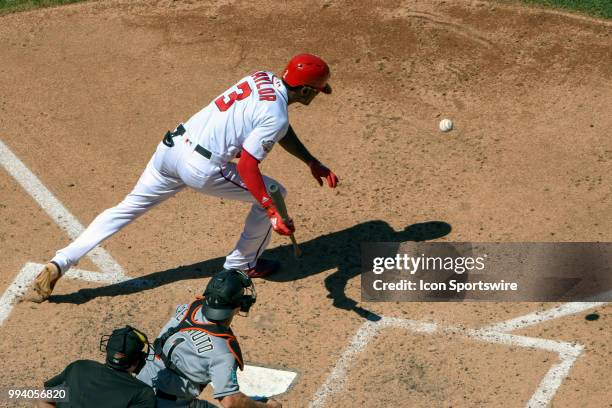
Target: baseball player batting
pixel 244 122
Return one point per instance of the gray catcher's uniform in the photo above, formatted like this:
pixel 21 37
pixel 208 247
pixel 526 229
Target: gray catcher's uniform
pixel 203 352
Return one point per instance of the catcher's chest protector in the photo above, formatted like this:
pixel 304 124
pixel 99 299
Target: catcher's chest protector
pixel 189 323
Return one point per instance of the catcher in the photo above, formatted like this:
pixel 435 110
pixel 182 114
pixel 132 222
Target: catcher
pixel 197 347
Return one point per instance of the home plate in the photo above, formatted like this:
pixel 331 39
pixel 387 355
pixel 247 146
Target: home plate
pixel 264 382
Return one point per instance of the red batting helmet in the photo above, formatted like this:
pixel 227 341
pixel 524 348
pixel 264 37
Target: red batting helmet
pixel 307 70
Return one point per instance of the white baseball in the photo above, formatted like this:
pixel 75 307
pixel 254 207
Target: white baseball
pixel 446 125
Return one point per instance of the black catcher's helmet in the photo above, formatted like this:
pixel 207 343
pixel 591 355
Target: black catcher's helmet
pixel 226 291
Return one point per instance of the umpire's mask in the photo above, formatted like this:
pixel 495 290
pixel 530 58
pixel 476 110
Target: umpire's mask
pixel 125 347
pixel 226 291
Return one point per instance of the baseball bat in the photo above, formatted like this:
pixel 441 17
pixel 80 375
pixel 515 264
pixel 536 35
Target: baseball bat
pixel 279 202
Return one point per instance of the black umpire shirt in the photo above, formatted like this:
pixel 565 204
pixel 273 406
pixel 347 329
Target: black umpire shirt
pixel 91 384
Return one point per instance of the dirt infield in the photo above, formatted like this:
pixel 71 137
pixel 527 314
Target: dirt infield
pixel 88 90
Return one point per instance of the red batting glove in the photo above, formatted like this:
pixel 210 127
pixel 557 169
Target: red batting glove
pixel 319 171
pixel 278 225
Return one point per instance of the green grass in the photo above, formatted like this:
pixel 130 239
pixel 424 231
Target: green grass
pixel 595 8
pixel 10 6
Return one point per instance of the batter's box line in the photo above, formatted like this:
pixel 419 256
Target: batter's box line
pixel 568 353
pixel 26 275
pixel 537 317
pixel 54 208
pixel 113 272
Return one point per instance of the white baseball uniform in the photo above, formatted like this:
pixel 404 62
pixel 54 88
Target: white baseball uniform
pixel 251 115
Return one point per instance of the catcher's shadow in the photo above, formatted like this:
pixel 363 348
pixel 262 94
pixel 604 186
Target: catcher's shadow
pixel 339 251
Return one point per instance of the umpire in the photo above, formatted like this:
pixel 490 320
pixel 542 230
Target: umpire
pixel 110 385
pixel 197 347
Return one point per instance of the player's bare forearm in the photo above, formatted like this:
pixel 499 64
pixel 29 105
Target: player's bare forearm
pixel 294 146
pixel 239 400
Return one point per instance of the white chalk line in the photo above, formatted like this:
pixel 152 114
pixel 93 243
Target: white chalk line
pixel 547 388
pixel 111 270
pixel 16 289
pixel 497 333
pixel 336 380
pixel 257 380
pixel 566 309
pixel 54 208
pixel 568 353
pixel 24 278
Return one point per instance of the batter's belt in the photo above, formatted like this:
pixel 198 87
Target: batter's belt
pixel 180 131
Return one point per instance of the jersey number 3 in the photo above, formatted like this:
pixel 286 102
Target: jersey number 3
pixel 245 91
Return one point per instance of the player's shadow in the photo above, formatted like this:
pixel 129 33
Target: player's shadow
pixel 342 251
pixel 339 251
